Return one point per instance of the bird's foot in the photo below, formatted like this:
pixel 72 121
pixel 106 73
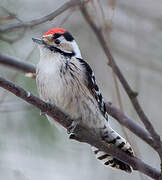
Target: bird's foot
pixel 71 129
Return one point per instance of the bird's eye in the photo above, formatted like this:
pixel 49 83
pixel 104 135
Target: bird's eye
pixel 57 41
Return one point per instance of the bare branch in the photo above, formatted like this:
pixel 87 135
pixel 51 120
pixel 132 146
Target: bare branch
pixel 7 18
pixel 38 21
pixel 112 111
pixel 80 133
pixel 131 94
pixel 129 123
pixel 13 39
pixel 16 64
pixel 10 15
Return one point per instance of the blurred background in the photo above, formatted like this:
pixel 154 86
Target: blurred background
pixel 33 149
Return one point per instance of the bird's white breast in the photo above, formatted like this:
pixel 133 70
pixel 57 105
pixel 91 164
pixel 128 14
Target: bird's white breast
pixel 54 86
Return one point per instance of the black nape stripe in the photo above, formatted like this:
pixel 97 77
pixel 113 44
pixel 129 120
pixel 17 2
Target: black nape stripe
pixel 68 36
pixel 56 35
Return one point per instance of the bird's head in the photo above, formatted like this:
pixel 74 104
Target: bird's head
pixel 58 40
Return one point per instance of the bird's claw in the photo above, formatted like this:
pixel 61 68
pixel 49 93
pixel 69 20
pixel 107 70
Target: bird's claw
pixel 42 113
pixel 72 136
pixel 71 129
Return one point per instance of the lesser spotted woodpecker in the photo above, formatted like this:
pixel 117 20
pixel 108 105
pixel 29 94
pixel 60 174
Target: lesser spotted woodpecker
pixel 63 78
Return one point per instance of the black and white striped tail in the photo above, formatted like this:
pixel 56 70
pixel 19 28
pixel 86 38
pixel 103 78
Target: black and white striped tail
pixel 110 136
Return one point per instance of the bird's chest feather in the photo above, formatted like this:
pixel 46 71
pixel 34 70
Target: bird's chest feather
pixel 57 86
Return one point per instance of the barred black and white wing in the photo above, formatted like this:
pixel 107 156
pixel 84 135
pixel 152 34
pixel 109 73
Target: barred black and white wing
pixel 90 81
pixel 108 134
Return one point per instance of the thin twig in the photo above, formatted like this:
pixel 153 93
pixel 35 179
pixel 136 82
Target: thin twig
pixel 41 20
pixel 81 133
pixel 11 39
pixel 10 15
pixel 7 18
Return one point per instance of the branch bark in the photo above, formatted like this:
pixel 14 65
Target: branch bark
pixel 81 133
pixel 16 64
pixel 129 123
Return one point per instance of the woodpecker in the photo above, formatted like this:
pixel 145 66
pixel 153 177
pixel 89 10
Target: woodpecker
pixel 65 79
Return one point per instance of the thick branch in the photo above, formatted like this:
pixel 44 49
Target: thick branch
pixel 136 163
pixel 81 133
pixel 16 64
pixel 131 94
pixel 38 21
pixel 113 111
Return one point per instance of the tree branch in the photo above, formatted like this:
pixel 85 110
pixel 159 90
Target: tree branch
pixel 81 133
pixel 16 64
pixel 131 94
pixel 112 110
pixel 38 21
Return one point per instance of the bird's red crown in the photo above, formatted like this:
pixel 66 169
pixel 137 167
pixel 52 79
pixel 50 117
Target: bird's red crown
pixel 55 30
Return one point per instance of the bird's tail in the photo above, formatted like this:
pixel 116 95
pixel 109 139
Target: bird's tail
pixel 111 137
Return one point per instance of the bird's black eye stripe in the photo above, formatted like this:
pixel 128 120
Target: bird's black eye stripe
pixel 55 49
pixel 66 35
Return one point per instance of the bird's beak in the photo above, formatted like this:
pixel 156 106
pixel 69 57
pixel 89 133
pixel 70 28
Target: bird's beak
pixel 38 41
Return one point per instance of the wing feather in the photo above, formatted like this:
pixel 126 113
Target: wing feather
pixel 91 84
